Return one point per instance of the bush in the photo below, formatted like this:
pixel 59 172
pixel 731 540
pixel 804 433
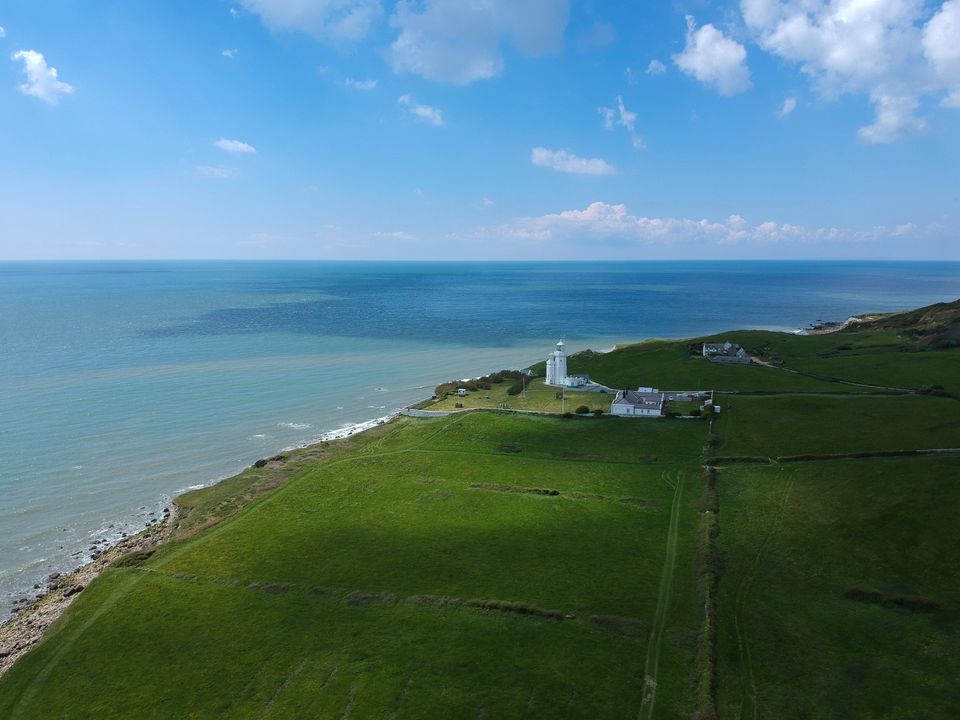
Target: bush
pixel 598 412
pixel 583 410
pixel 568 414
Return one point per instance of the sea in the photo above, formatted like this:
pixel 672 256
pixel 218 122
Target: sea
pixel 123 384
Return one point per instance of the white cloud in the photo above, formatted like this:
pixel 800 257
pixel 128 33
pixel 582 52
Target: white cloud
pixel 655 67
pixel 230 53
pixel 215 172
pixel 461 42
pixel 3 33
pixel 234 146
pixel 401 235
pixel 624 118
pixel 941 46
pixel 789 105
pixel 360 84
pixel 334 20
pixel 42 80
pixel 486 202
pixel 427 114
pixel 630 76
pixel 563 161
pixel 605 223
pixel 880 48
pixel 714 59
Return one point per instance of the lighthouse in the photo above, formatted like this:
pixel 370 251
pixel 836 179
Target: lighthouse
pixel 557 366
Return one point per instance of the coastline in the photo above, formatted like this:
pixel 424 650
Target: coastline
pixel 24 630
pixel 29 619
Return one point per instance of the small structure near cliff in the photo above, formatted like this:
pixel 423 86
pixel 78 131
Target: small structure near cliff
pixel 725 352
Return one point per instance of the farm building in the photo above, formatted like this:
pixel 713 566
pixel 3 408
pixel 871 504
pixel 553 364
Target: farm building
pixel 645 402
pixel 726 352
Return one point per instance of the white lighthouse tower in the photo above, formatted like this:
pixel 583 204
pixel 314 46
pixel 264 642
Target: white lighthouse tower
pixel 557 366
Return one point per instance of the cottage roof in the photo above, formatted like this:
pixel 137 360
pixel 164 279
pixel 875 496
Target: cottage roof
pixel 639 399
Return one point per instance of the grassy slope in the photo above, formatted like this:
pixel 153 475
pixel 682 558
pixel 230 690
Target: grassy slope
pixel 794 539
pixel 811 424
pixel 397 514
pixel 393 511
pixel 538 397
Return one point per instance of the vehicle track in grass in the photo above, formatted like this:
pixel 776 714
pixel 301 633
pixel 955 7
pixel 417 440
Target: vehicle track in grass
pixel 655 641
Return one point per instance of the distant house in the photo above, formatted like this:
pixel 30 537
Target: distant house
pixel 645 402
pixel 725 352
pixel 462 392
pixel 575 381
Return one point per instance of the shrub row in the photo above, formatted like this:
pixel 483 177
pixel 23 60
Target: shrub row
pixel 482 383
pixel 514 489
pixel 741 459
pixel 708 578
pixel 515 607
pixel 913 603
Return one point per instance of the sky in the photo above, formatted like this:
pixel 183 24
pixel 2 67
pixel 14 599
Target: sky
pixel 488 129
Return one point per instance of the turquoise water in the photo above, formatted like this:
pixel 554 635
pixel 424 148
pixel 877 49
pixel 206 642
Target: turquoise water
pixel 122 384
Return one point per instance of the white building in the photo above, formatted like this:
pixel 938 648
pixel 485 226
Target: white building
pixel 557 366
pixel 638 403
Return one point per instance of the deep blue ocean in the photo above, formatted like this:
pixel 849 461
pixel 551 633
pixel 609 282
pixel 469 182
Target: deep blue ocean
pixel 124 383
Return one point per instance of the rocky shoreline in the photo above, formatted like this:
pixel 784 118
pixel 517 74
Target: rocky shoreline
pixel 31 619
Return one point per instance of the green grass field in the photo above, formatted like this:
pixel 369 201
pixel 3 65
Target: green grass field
pixel 503 565
pixel 794 540
pixel 537 397
pixel 326 595
pixel 811 424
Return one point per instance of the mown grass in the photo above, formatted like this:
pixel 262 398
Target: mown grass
pixel 802 424
pixel 324 595
pixel 794 540
pixel 537 397
pixel 669 365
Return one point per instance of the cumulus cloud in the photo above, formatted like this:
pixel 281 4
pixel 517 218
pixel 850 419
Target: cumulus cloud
pixel 714 59
pixel 334 20
pixel 234 146
pixel 230 53
pixel 42 80
pixel 605 223
pixel 789 105
pixel 881 48
pixel 655 67
pixel 563 161
pixel 462 42
pixel 941 46
pixel 613 117
pixel 360 84
pixel 426 113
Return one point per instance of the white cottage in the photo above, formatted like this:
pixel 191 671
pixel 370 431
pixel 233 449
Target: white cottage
pixel 646 402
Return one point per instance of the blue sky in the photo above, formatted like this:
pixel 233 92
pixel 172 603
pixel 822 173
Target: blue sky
pixel 441 129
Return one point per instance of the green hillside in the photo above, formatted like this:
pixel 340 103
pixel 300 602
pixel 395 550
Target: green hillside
pixel 794 556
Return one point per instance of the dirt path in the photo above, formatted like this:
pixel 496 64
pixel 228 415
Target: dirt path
pixel 655 642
